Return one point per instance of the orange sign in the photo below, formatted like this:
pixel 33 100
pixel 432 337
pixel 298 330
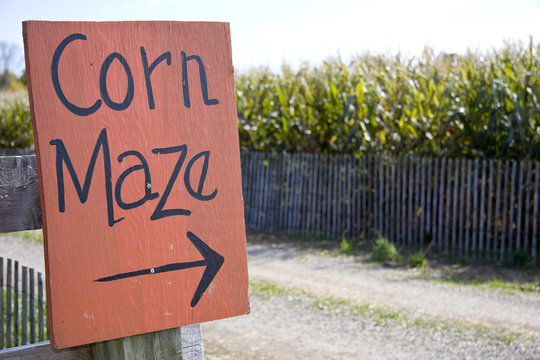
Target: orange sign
pixel 138 156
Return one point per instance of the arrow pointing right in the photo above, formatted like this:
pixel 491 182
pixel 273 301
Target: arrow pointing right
pixel 212 260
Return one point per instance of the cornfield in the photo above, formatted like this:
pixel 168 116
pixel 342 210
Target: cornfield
pixel 476 105
pixel 15 121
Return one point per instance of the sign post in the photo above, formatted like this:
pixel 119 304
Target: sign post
pixel 138 157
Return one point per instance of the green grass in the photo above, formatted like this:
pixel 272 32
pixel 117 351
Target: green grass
pixel 485 277
pixel 15 121
pixel 266 290
pixel 346 246
pixel 384 250
pixel 506 287
pixel 418 259
pixel 29 235
pixel 382 316
pixel 478 281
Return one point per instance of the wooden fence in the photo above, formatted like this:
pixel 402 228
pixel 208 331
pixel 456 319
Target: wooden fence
pixel 22 305
pixel 484 209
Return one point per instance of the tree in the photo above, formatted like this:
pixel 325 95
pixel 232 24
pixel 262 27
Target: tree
pixel 9 61
pixel 9 57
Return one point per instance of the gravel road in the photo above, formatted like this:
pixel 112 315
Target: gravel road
pixel 436 320
pixel 443 321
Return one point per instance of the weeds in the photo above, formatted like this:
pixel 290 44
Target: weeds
pixel 15 121
pixel 346 246
pixel 384 250
pixel 381 316
pixel 418 259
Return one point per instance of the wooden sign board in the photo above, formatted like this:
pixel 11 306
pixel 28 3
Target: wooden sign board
pixel 138 155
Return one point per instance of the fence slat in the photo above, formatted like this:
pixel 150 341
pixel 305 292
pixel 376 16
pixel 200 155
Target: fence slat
pixel 386 198
pixel 364 193
pixel 467 225
pixel 349 194
pixel 328 198
pixel 31 305
pixel 448 206
pixel 404 177
pixel 422 209
pixel 519 189
pixel 335 195
pixel 429 175
pixel 298 192
pixel 339 193
pixel 437 180
pixel 398 201
pixel 455 213
pixel 318 193
pixel 511 208
pixel 504 212
pixel 410 199
pixel 497 220
pixel 528 195
pixel 474 225
pixel 481 216
pixel 392 200
pixel 489 223
pixel 40 308
pixel 2 302
pixel 24 312
pixel 16 303
pixel 8 302
pixel 536 210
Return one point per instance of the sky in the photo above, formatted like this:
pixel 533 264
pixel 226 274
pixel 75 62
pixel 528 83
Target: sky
pixel 274 32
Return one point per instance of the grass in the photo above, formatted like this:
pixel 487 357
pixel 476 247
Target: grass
pixel 381 316
pixel 266 290
pixel 418 259
pixel 29 235
pixel 494 283
pixel 15 122
pixel 20 307
pixel 384 250
pixel 463 272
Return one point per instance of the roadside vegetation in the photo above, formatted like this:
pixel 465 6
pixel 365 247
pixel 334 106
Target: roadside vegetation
pixel 507 277
pixel 475 105
pixel 381 316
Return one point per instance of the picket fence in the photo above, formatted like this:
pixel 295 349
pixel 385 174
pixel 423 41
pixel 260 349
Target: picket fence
pixel 22 305
pixel 487 209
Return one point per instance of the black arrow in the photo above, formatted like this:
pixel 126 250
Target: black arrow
pixel 212 261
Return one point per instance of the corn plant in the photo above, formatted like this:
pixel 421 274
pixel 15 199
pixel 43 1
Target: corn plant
pixel 472 105
pixel 15 121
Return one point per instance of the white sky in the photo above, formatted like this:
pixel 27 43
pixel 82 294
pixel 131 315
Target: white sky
pixel 276 31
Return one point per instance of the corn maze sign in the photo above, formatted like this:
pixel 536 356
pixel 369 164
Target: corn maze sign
pixel 137 146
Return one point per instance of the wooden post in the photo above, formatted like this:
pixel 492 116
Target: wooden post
pixel 180 343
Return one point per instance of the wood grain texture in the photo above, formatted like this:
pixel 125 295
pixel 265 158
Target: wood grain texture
pixel 42 351
pixel 19 194
pixel 182 343
pixel 164 120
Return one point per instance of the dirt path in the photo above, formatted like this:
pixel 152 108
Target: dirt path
pixel 368 283
pixel 463 320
